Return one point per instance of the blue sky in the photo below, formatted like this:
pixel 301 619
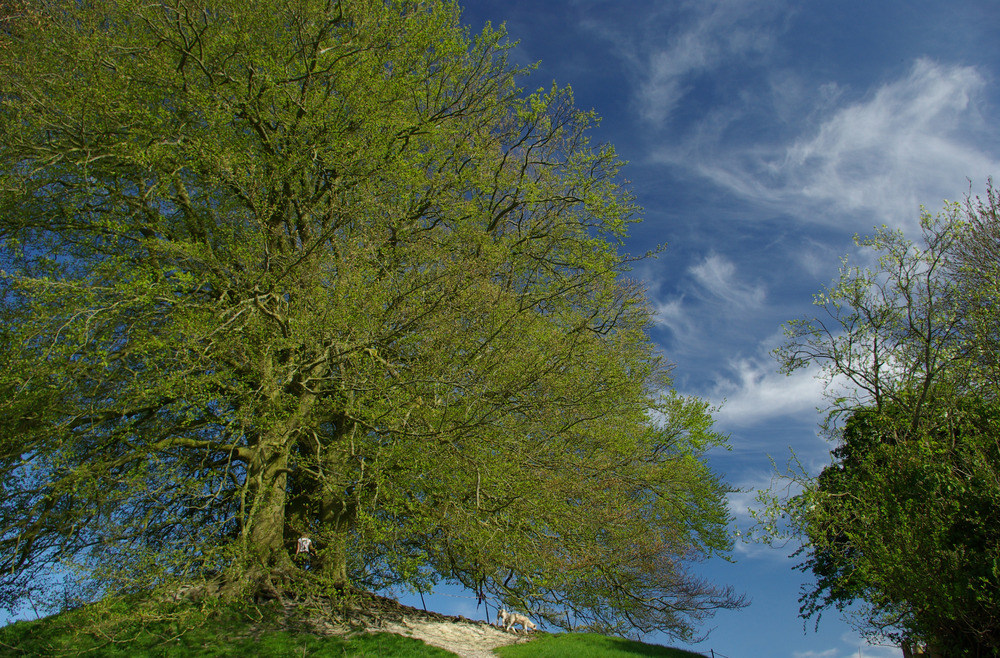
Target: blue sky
pixel 762 135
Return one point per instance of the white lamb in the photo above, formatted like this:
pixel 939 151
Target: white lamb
pixel 512 619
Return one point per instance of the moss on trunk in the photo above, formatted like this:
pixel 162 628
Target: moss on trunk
pixel 338 516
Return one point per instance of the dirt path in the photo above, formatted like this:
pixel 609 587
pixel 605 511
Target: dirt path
pixel 467 639
pixel 373 613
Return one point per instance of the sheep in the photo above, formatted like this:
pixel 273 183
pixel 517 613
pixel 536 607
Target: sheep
pixel 512 619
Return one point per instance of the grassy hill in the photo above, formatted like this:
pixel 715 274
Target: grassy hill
pixel 588 645
pixel 138 629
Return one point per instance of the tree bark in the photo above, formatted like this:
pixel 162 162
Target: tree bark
pixel 338 514
pixel 264 524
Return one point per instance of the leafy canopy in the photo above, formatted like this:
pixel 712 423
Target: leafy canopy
pixel 321 268
pixel 906 521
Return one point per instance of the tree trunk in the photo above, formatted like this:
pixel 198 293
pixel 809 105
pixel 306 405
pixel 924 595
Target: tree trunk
pixel 337 514
pixel 264 522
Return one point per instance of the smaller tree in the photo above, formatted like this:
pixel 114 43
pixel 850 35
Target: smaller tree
pixel 974 265
pixel 908 521
pixel 904 520
pixel 887 333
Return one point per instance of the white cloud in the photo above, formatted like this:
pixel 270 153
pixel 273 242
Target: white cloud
pixel 741 501
pixel 712 289
pixel 756 392
pixel 895 145
pixel 861 649
pixel 820 260
pixel 713 280
pixel 914 140
pixel 871 651
pixel 686 40
pixel 673 315
pixel 662 90
pixel 829 653
pixel 717 276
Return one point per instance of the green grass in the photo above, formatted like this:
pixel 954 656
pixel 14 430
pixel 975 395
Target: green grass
pixel 588 645
pixel 275 643
pixel 121 630
pixel 140 629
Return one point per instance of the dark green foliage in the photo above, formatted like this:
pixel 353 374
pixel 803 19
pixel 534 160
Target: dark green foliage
pixel 908 520
pixel 903 529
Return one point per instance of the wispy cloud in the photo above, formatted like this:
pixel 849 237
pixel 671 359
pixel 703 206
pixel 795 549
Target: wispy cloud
pixel 685 41
pixel 858 647
pixel 875 650
pixel 755 392
pixel 725 30
pixel 852 647
pixel 671 313
pixel 829 653
pixel 862 649
pixel 741 501
pixel 908 136
pixel 717 276
pixel 698 308
pixel 917 139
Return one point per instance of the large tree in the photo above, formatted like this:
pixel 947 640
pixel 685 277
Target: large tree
pixel 904 520
pixel 321 268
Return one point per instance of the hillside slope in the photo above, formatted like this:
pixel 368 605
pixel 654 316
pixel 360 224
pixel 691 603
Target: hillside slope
pixel 369 625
